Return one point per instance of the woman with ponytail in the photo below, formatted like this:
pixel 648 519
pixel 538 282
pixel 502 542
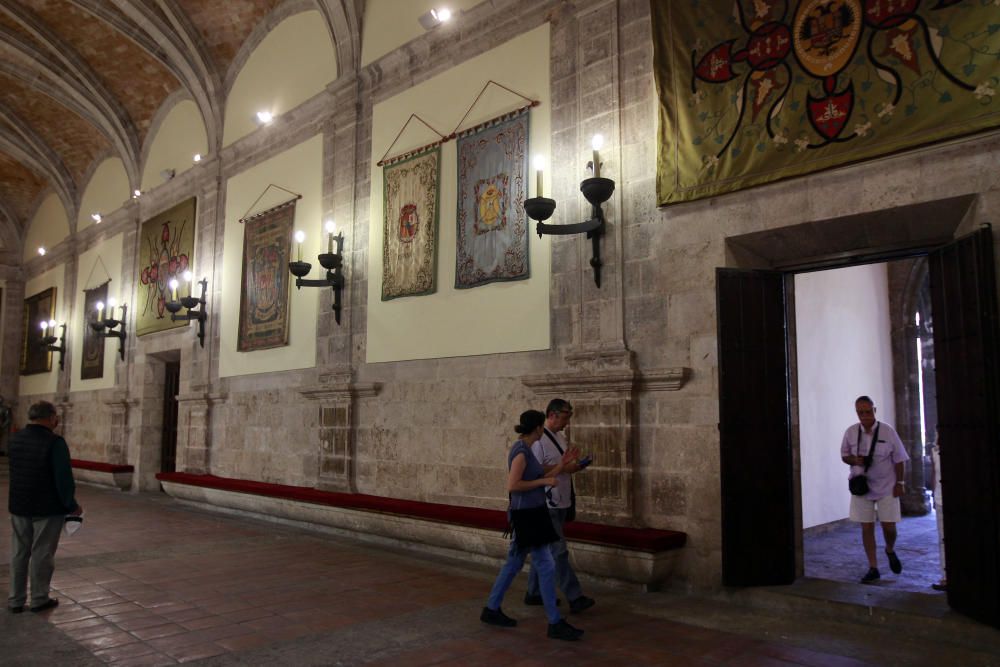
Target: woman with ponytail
pixel 533 531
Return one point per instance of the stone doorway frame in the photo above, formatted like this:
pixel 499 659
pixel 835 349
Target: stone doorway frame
pixel 146 441
pixel 872 237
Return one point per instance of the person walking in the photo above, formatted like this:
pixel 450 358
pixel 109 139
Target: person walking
pixel 532 530
pixel 884 471
pixel 549 449
pixel 42 493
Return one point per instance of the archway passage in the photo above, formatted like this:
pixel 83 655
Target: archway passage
pixel 964 294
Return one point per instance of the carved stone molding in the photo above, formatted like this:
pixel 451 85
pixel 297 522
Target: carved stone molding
pixel 664 379
pixel 117 447
pixel 194 432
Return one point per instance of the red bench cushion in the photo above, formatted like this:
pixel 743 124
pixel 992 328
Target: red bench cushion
pixel 640 539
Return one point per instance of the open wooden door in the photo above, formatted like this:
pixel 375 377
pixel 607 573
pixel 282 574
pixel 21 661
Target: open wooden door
pixel 966 336
pixel 758 536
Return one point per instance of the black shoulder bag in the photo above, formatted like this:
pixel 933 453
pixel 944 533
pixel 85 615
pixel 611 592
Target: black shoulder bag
pixel 859 484
pixel 571 512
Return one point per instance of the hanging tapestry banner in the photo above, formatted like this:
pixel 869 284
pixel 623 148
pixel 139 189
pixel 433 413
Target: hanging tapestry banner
pixel 410 226
pixel 38 308
pixel 267 240
pixel 166 250
pixel 492 234
pixel 92 364
pixel 753 91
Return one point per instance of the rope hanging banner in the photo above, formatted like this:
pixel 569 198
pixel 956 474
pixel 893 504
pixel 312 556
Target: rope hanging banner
pixel 91 274
pixel 499 119
pixel 247 218
pixel 416 151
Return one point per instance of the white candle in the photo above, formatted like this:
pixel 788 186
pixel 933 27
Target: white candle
pixel 111 308
pixel 100 311
pixel 300 236
pixel 188 277
pixel 331 231
pixel 173 289
pixel 539 164
pixel 45 325
pixel 597 143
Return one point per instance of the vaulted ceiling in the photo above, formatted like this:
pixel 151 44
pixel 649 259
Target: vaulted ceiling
pixel 81 80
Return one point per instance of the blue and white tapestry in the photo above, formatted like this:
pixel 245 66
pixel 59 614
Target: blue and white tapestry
pixel 492 235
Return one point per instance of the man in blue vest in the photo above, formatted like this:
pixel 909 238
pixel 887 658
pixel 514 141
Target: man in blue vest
pixel 41 495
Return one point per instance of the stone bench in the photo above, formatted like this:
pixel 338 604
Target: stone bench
pixel 104 474
pixel 643 556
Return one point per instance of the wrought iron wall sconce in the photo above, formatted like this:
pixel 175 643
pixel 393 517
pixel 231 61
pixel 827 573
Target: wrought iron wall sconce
pixel 49 338
pixel 105 327
pixel 596 190
pixel 332 261
pixel 195 305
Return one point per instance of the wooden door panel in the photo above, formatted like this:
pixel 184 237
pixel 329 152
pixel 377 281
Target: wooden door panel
pixel 758 535
pixel 966 339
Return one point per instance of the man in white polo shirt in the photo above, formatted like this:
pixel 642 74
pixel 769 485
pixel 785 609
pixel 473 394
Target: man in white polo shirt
pixel 562 505
pixel 885 482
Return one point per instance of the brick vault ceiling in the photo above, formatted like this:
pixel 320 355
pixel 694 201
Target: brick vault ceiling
pixel 81 80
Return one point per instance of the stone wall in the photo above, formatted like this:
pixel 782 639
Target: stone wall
pixel 637 356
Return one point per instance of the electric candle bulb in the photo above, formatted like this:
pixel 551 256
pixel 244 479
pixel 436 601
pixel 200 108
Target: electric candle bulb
pixel 45 325
pixel 100 310
pixel 597 143
pixel 300 237
pixel 173 289
pixel 52 324
pixel 539 163
pixel 331 230
pixel 188 277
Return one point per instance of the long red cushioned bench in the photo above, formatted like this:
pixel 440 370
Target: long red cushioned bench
pixel 639 539
pixel 100 467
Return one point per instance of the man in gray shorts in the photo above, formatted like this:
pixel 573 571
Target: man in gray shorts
pixel 885 482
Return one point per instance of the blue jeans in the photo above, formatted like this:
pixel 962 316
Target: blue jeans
pixel 565 576
pixel 541 562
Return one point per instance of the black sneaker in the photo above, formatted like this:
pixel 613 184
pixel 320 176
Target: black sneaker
pixel 565 631
pixel 582 603
pixel 51 603
pixel 894 563
pixel 871 576
pixel 536 600
pixel 496 617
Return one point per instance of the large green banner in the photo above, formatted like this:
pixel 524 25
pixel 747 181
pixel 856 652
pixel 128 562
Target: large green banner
pixel 753 91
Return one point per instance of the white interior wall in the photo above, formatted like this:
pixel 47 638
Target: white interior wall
pixel 842 333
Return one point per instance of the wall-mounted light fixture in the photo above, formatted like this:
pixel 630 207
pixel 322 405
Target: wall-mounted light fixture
pixel 41 251
pixel 167 174
pixel 435 17
pixel 196 158
pixel 136 194
pixel 105 326
pixel 332 261
pixel 96 217
pixel 195 306
pixel 49 339
pixel 263 117
pixel 597 190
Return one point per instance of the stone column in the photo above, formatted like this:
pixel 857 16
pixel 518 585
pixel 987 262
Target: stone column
pixel 194 431
pixel 116 451
pixel 335 435
pixel 602 385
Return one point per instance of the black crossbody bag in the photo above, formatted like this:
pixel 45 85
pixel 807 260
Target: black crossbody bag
pixel 859 484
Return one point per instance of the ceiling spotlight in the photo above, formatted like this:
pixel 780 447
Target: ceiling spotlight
pixel 434 18
pixel 167 174
pixel 264 117
pixel 41 251
pixel 96 217
pixel 197 157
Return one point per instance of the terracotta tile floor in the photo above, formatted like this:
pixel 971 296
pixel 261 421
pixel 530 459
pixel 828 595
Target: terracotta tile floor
pixel 148 581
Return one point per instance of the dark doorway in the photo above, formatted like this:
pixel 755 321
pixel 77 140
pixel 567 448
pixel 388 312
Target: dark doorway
pixel 171 387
